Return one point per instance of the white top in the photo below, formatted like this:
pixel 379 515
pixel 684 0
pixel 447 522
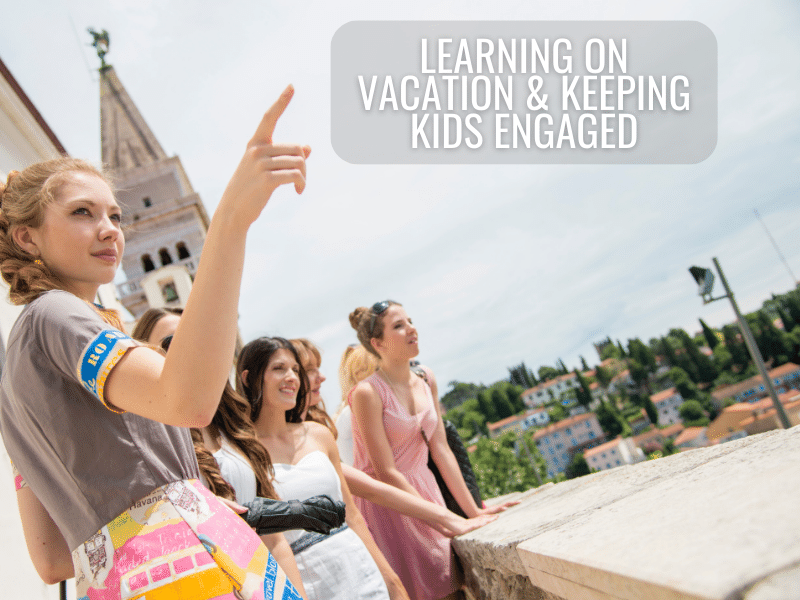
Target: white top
pixel 314 474
pixel 344 427
pixel 236 470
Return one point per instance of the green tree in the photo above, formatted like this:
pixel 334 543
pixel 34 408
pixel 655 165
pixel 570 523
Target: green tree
pixel 562 368
pixel 522 376
pixel 582 393
pixel 737 348
pixel 486 406
pixel 501 403
pixel 547 373
pixel 578 467
pixel 584 366
pixel 473 422
pixel 703 367
pixel 557 413
pixel 685 386
pixel 639 373
pixel 610 351
pixel 642 354
pixel 792 303
pixel 459 393
pixel 603 376
pixel 711 338
pixel 723 359
pixel 772 342
pixel 650 409
pixel 692 414
pixel 514 395
pixel 500 470
pixel 610 420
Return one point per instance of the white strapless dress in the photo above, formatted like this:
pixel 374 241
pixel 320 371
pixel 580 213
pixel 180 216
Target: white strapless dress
pixel 340 567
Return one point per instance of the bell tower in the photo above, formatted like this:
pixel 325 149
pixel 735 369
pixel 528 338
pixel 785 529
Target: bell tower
pixel 165 222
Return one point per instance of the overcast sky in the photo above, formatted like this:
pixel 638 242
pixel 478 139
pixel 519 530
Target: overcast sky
pixel 496 264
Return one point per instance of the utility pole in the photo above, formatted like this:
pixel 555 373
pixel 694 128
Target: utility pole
pixel 705 279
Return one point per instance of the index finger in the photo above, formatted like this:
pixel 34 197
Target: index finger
pixel 266 128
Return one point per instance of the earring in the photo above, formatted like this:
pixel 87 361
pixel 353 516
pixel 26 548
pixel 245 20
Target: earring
pixel 39 262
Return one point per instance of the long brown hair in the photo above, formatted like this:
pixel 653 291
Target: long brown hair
pixel 148 321
pixel 232 420
pixel 254 359
pixel 310 356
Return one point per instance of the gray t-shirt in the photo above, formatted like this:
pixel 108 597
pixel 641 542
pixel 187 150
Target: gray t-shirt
pixel 85 461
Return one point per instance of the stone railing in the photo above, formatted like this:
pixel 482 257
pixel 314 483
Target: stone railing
pixel 717 523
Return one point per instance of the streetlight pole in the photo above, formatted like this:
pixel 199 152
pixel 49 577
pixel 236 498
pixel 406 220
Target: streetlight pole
pixel 706 284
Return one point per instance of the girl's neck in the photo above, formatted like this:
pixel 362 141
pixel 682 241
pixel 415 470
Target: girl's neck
pixel 271 422
pixel 397 372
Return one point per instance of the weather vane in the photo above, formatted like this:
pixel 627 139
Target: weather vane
pixel 100 42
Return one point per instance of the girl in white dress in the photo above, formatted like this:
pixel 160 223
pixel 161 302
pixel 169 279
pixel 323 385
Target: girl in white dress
pixel 346 564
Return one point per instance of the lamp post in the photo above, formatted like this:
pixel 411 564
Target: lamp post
pixel 705 281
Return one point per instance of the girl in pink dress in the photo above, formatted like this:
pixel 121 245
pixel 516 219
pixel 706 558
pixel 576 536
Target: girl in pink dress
pixel 396 423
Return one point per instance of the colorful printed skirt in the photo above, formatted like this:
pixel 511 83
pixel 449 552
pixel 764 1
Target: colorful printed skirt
pixel 179 541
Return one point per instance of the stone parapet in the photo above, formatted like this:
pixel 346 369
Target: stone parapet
pixel 717 523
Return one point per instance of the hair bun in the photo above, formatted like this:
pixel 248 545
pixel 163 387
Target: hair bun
pixel 4 186
pixel 356 316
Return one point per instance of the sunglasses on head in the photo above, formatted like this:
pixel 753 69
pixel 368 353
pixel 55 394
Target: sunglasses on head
pixel 377 309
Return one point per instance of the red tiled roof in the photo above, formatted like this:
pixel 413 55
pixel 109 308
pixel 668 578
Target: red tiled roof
pixel 732 390
pixel 547 384
pixel 663 395
pixel 602 447
pixel 506 421
pixel 688 435
pixel 565 423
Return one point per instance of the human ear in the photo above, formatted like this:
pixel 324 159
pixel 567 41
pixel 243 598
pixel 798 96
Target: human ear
pixel 376 343
pixel 243 377
pixel 24 237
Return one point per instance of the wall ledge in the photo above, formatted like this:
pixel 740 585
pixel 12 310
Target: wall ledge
pixel 717 523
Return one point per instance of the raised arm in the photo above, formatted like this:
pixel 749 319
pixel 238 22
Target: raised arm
pixel 184 388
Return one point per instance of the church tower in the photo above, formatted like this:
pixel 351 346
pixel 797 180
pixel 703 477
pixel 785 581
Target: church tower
pixel 165 220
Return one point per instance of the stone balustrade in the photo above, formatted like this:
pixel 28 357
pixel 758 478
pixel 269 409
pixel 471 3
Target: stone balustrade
pixel 717 523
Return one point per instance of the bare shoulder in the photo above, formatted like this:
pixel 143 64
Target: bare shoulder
pixel 364 394
pixel 319 433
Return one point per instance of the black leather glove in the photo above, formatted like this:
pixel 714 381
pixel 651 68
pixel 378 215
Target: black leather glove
pixel 319 514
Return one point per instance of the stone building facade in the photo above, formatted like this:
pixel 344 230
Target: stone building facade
pixel 165 220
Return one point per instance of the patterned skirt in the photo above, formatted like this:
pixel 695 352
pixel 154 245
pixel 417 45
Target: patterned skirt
pixel 179 541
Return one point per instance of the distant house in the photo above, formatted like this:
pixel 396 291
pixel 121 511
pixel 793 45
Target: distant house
pixel 657 437
pixel 668 403
pixel 519 423
pixel 640 422
pixel 560 441
pixel 692 437
pixel 619 451
pixel 746 418
pixel 621 381
pixel 783 378
pixel 540 394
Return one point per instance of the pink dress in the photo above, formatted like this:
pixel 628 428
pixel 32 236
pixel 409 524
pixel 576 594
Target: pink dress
pixel 420 555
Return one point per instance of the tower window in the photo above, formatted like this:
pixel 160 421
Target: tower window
pixel 147 263
pixel 166 259
pixel 183 251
